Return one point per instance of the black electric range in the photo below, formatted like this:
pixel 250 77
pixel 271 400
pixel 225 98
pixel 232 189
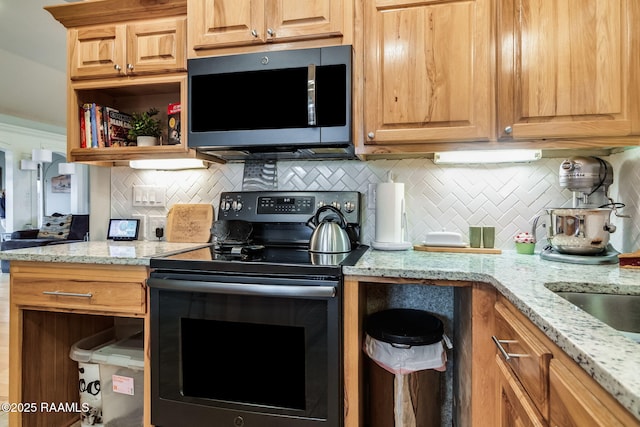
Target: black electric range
pixel 256 293
pixel 278 240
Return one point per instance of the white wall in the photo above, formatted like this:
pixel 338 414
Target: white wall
pixel 17 143
pixel 450 197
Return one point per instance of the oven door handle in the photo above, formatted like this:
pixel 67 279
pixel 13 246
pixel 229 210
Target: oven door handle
pixel 291 291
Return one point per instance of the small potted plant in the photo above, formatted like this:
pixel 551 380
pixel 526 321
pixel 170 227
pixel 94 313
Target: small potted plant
pixel 145 128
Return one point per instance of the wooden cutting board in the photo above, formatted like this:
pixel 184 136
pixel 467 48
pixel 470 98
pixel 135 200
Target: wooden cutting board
pixel 189 223
pixel 464 250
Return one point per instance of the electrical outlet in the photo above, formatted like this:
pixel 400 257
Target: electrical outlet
pixel 156 221
pixel 142 230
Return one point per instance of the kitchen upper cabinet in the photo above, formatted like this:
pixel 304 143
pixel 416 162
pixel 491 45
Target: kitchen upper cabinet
pixel 129 55
pixel 114 50
pixel 564 68
pixel 484 74
pixel 215 24
pixel 427 72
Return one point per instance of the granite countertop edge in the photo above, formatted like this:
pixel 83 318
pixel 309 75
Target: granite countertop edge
pixel 100 252
pixel 609 357
pixel 612 359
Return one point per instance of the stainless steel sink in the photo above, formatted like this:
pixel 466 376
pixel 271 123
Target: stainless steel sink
pixel 621 312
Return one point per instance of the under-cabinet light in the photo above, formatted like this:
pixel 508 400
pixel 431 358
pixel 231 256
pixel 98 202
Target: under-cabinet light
pixel 487 156
pixel 169 164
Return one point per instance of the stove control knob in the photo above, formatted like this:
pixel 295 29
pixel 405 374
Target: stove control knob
pixel 225 205
pixel 236 205
pixel 336 205
pixel 349 207
pixel 320 204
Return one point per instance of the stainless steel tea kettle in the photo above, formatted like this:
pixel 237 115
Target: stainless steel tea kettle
pixel 329 236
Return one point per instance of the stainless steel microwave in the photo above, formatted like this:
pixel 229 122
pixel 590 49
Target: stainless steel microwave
pixel 272 105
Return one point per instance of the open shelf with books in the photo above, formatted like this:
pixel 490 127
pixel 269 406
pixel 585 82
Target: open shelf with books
pixel 126 96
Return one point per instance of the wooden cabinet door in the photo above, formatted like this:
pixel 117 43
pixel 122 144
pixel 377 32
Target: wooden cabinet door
pixel 97 51
pixel 427 71
pixel 573 404
pixel 157 46
pixel 223 23
pixel 296 19
pixel 563 68
pixel 228 23
pixel 515 408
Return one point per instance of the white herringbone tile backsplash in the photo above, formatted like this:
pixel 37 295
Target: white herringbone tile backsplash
pixel 437 197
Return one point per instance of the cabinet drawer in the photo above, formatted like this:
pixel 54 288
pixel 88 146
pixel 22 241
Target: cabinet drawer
pixel 93 296
pixel 528 357
pixel 515 406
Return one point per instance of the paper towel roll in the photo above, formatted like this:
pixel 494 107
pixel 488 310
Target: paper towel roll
pixel 389 212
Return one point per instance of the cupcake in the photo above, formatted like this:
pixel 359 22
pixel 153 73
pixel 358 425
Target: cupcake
pixel 525 243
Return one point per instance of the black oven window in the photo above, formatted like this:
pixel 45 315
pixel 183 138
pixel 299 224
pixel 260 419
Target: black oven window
pixel 261 364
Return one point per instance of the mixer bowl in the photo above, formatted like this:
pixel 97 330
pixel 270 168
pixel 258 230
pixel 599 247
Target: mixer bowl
pixel 579 231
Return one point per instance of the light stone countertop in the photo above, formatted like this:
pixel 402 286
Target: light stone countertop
pixel 136 252
pixel 612 359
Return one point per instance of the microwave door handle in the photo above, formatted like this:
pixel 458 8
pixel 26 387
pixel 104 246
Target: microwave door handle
pixel 311 94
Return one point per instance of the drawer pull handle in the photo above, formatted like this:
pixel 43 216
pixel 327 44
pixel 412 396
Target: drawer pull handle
pixel 507 356
pixel 67 294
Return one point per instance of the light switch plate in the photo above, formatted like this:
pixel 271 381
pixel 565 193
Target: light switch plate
pixel 149 195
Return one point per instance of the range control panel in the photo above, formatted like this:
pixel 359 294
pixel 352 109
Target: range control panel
pixel 287 206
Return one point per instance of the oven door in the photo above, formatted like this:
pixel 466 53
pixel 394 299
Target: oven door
pixel 245 352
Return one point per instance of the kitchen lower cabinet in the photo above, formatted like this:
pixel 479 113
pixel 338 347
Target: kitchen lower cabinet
pixel 473 362
pixel 525 355
pixel 52 306
pixel 575 404
pixel 515 407
pixel 540 385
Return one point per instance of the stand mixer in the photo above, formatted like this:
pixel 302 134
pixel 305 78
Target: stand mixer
pixel 580 234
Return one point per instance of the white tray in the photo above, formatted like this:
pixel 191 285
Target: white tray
pixel 387 246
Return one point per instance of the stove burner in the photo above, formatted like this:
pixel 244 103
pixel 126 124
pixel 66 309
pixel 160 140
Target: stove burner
pixel 242 252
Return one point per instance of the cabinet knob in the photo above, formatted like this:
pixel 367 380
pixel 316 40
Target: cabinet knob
pixel 371 135
pixel 508 130
pixel 130 67
pixel 117 67
pixel 271 32
pixel 254 33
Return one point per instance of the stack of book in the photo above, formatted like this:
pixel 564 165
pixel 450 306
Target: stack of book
pixel 102 126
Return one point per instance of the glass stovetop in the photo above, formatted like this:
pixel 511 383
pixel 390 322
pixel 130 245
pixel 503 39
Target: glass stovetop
pixel 254 258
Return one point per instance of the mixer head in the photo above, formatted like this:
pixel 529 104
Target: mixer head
pixel 586 175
